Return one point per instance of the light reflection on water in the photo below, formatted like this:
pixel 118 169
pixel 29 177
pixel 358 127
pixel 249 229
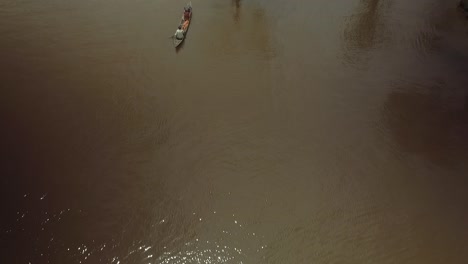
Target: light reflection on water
pixel 224 248
pixel 200 252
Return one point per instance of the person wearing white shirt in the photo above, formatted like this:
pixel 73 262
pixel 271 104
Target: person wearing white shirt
pixel 179 34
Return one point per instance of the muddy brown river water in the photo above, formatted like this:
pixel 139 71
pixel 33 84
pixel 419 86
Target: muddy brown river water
pixel 280 132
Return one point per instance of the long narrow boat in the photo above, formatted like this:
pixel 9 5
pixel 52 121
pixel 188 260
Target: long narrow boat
pixel 184 24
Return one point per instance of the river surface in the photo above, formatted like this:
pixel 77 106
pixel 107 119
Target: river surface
pixel 318 131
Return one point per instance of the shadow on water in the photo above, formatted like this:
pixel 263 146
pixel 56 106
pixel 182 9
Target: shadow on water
pixel 428 116
pixel 365 30
pixel 242 36
pixel 429 124
pixel 237 11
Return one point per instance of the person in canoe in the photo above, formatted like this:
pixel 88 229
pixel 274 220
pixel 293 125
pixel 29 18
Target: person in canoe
pixel 179 34
pixel 187 14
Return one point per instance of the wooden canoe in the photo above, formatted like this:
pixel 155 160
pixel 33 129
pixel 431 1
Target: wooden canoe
pixel 185 25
